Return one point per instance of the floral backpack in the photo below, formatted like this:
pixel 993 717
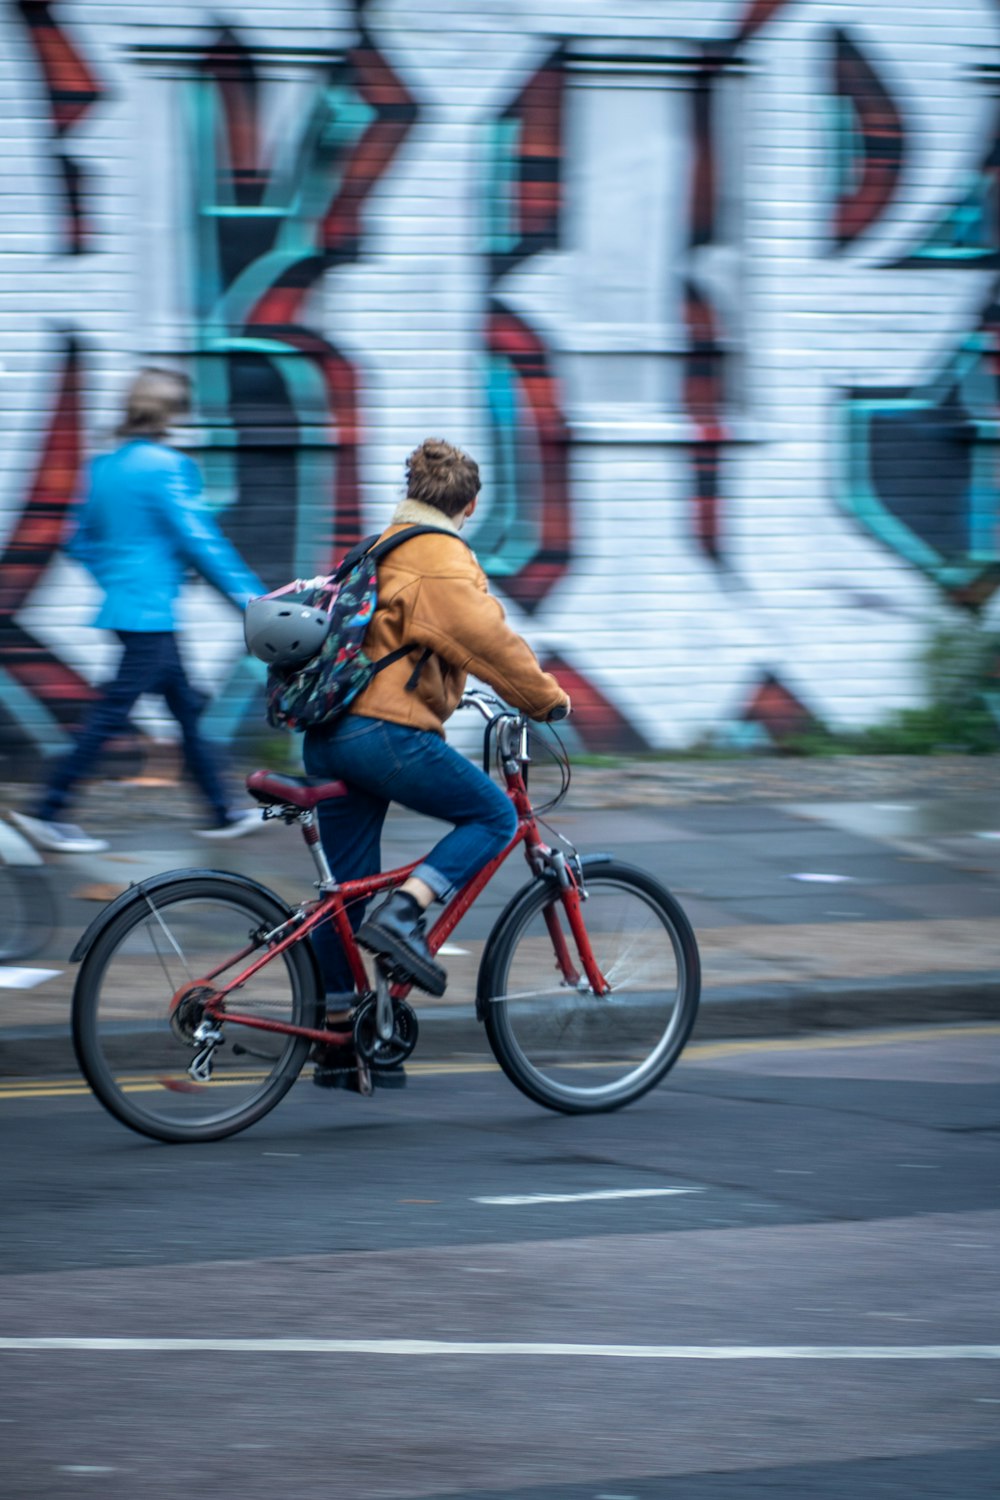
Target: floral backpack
pixel 322 688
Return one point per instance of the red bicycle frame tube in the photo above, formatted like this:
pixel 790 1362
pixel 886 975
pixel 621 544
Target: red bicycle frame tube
pixel 333 907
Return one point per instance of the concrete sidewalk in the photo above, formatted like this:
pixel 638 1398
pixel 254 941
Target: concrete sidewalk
pixel 824 893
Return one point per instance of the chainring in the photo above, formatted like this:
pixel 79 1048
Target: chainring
pixel 378 1054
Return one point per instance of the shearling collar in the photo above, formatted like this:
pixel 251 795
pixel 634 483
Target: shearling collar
pixel 417 513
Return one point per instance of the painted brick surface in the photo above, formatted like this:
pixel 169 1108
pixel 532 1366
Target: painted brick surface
pixel 709 290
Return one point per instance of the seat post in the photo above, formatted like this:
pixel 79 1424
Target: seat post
pixel 310 832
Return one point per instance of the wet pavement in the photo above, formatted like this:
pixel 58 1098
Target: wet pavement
pixel 824 893
pixel 773 1275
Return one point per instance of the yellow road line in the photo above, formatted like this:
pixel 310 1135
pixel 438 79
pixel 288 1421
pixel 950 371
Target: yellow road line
pixel 832 1041
pixel 75 1088
pixel 142 1083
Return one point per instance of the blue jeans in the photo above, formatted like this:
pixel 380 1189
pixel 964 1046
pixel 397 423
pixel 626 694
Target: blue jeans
pixel 150 663
pixel 383 763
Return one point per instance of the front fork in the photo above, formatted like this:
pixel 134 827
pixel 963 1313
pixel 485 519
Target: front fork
pixel 569 873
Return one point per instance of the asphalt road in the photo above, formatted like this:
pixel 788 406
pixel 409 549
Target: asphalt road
pixel 430 1293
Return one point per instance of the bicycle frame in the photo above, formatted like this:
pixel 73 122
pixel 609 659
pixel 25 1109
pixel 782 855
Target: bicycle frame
pixel 333 905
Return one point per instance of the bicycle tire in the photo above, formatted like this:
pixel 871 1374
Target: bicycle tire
pixel 28 906
pixel 631 920
pixel 125 1044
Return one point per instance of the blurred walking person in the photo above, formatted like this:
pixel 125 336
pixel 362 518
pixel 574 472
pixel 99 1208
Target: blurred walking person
pixel 140 529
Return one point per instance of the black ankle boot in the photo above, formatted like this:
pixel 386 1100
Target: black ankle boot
pixel 337 1068
pixel 397 930
pixel 337 1062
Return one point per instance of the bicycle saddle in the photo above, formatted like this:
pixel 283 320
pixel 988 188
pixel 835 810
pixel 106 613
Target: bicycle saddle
pixel 271 788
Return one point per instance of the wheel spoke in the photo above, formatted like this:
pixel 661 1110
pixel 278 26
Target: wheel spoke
pixel 564 1045
pixel 170 939
pixel 135 1027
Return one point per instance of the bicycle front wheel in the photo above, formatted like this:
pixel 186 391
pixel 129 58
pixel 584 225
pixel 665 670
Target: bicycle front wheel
pixel 559 1042
pixel 135 1045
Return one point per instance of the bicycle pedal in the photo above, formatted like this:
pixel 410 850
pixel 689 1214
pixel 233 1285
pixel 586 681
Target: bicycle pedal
pixel 397 973
pixel 391 970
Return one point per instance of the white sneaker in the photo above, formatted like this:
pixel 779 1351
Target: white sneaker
pixel 58 838
pixel 246 820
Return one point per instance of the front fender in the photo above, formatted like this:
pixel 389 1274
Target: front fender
pixel 138 891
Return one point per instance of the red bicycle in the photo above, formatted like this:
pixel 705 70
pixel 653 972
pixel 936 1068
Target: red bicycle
pixel 199 996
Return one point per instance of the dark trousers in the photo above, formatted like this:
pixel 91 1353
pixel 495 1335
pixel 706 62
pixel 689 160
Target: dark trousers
pixel 384 762
pixel 150 663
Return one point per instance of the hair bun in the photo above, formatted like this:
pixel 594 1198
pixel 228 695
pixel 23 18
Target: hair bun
pixel 440 474
pixel 439 454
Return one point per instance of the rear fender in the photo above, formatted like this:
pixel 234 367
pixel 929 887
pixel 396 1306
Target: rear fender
pixel 138 892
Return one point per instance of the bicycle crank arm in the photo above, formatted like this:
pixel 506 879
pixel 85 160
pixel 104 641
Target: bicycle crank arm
pixel 384 1019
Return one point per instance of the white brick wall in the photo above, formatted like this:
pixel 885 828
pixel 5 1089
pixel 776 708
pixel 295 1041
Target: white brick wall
pixel 674 641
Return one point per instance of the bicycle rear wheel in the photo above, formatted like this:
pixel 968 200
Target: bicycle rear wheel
pixel 561 1044
pixel 135 1050
pixel 28 906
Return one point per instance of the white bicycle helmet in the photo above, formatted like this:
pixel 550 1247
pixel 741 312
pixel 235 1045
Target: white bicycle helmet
pixel 282 633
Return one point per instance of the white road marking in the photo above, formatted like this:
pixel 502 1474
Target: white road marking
pixel 14 978
pixel 515 1200
pixel 424 1348
pixel 823 879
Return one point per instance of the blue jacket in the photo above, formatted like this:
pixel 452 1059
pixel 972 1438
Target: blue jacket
pixel 141 527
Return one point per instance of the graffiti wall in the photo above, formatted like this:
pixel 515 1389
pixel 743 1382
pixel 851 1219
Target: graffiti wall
pixel 710 292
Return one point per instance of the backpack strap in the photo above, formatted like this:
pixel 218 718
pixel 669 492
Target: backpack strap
pixel 370 546
pixel 397 655
pixel 389 543
pixel 414 677
pixel 351 559
pixel 376 553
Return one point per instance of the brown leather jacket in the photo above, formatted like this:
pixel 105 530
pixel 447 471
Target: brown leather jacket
pixel 433 593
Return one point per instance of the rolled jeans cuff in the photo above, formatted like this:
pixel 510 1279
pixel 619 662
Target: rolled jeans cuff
pixel 438 883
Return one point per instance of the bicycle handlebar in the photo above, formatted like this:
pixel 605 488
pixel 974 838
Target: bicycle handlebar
pixel 493 708
pixel 511 728
pixel 508 723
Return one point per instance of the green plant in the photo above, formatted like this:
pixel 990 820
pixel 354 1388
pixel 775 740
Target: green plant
pixel 961 667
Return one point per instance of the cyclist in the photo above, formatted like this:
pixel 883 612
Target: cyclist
pixel 390 745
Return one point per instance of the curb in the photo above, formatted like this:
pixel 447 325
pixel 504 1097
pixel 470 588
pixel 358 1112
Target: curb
pixel 733 1014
